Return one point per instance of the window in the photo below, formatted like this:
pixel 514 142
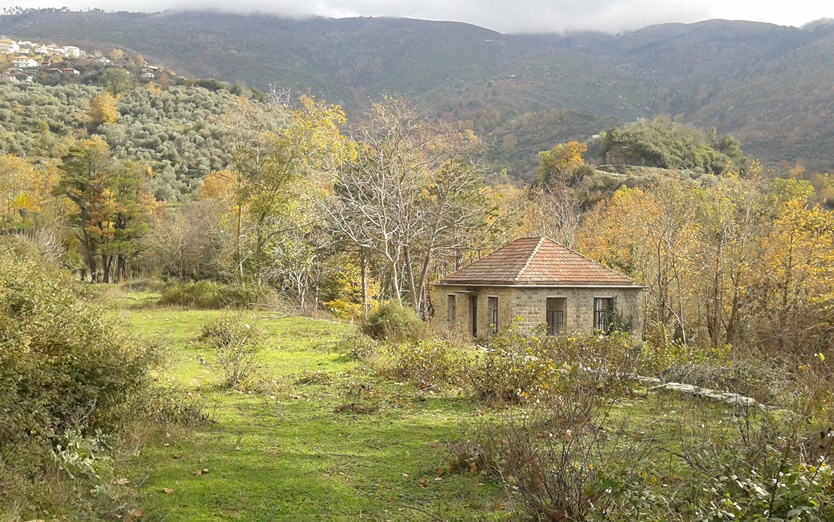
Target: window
pixel 555 315
pixel 603 309
pixel 451 309
pixel 492 302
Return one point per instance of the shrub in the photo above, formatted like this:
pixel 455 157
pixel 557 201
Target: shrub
pixel 513 367
pixel 358 346
pixel 749 374
pixel 766 469
pixel 394 322
pixel 429 364
pixel 211 295
pixel 63 364
pixel 167 406
pixel 314 377
pixel 561 466
pixel 659 356
pixel 238 348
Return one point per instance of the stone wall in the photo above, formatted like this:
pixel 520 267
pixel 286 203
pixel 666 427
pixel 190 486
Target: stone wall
pixel 527 305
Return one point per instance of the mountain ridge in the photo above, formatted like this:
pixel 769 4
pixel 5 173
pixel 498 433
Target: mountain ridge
pixel 758 81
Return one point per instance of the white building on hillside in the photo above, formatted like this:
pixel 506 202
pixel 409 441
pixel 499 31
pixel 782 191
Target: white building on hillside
pixel 24 62
pixel 9 46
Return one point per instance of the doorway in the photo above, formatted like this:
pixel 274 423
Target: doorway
pixel 473 307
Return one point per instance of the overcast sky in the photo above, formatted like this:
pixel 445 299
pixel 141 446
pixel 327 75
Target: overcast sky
pixel 506 16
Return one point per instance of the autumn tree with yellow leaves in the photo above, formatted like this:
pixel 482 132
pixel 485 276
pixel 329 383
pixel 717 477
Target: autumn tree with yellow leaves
pixel 275 150
pixel 740 261
pixel 103 110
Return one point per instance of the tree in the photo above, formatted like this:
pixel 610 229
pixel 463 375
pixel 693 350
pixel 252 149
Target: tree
pixel 111 206
pixel 116 81
pixel 561 164
pixel 273 149
pixel 650 236
pixel 729 225
pixel 192 242
pixel 402 194
pixel 554 212
pixel 131 207
pixel 117 55
pixel 736 261
pixel 103 110
pixel 793 295
pixel 665 144
pixel 21 188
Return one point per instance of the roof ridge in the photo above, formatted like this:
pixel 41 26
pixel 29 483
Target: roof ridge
pixel 530 258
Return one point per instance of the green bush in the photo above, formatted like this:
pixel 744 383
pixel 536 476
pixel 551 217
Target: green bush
pixel 749 374
pixel 766 469
pixel 63 364
pixel 211 295
pixel 394 322
pixel 74 391
pixel 358 346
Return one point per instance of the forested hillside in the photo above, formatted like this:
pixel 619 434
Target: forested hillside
pixel 765 84
pixel 179 133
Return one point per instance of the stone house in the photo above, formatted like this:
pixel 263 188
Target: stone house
pixel 537 282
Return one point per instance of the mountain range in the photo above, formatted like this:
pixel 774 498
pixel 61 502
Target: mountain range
pixel 770 86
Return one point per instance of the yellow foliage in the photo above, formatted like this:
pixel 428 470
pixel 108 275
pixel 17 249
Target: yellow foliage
pixel 348 303
pixel 95 144
pixel 220 184
pixel 103 109
pixel 561 162
pixel 22 186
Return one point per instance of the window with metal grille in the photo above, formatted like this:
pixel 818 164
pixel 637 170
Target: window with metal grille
pixel 555 315
pixel 603 307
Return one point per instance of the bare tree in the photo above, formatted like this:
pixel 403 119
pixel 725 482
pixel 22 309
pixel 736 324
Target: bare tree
pixel 403 193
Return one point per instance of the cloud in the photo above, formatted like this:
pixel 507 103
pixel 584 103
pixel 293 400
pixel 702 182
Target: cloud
pixel 522 15
pixel 506 16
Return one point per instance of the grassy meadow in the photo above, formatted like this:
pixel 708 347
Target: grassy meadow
pixel 317 435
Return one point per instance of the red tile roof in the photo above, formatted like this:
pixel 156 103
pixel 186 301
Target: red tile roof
pixel 539 261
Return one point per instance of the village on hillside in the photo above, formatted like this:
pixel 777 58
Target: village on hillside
pixel 33 62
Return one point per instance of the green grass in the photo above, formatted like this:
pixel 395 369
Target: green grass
pixel 291 451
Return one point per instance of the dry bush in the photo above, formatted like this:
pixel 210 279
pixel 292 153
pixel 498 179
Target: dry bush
pixel 562 457
pixel 429 364
pixel 238 346
pixel 512 368
pixel 314 377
